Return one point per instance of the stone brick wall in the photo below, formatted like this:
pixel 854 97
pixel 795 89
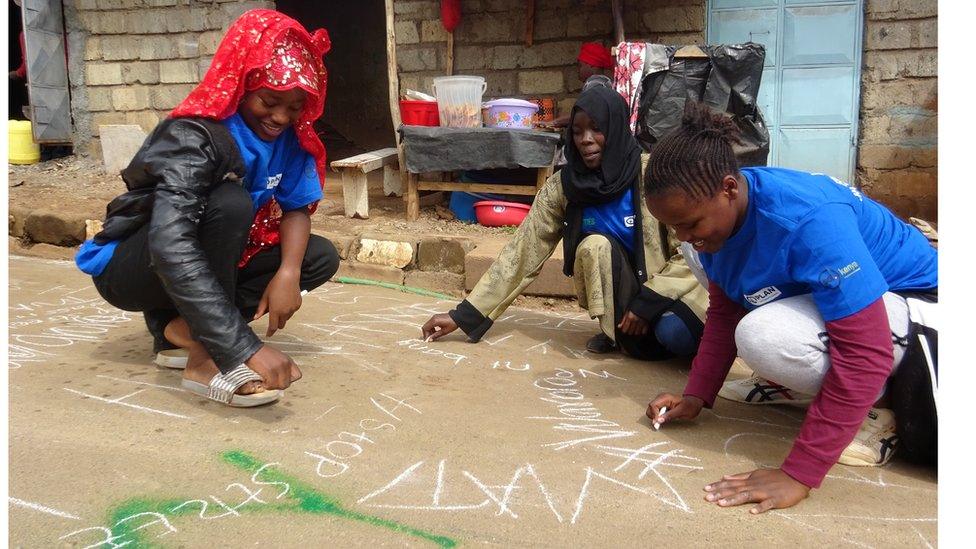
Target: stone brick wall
pixel 489 41
pixel 897 157
pixel 132 61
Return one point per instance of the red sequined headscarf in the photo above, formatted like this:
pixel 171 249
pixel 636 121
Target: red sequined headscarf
pixel 265 49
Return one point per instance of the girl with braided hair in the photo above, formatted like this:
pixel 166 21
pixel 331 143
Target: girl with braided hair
pixel 214 230
pixel 807 282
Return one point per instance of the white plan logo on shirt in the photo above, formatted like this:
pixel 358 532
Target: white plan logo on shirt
pixel 629 221
pixel 765 295
pixel 273 181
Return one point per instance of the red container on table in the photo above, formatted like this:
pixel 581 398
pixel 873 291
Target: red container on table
pixel 419 113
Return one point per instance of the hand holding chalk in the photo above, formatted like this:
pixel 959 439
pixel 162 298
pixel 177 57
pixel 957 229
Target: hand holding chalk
pixel 437 327
pixel 667 407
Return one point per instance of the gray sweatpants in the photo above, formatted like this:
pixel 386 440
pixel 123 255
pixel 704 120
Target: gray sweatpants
pixel 786 341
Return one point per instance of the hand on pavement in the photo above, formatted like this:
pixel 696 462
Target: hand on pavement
pixel 769 488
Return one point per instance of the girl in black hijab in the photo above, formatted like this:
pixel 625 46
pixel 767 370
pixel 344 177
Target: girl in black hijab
pixel 625 265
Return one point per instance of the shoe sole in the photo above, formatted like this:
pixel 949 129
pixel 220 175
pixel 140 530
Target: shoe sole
pixel 174 359
pixel 601 351
pixel 762 402
pixel 860 461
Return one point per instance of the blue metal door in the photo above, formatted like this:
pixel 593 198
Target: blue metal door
pixel 811 81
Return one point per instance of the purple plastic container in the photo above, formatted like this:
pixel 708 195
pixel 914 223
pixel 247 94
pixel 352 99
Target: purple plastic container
pixel 510 113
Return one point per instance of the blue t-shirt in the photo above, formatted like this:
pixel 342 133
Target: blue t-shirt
pixel 614 219
pixel 279 169
pixel 812 234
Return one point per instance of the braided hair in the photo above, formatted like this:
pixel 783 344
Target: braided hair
pixel 695 157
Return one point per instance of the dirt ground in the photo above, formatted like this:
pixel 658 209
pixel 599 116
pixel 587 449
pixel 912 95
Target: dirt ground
pixel 520 440
pixel 78 184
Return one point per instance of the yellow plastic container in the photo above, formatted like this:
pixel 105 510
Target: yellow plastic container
pixel 23 150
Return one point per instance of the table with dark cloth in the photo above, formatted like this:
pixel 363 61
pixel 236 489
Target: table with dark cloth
pixel 436 149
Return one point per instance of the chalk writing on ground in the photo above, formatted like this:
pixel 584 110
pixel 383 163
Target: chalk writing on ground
pixel 60 318
pixel 573 413
pixel 41 508
pixel 124 401
pixel 419 346
pixel 471 492
pixel 346 445
pixel 140 522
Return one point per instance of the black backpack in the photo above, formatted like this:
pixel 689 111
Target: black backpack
pixel 913 387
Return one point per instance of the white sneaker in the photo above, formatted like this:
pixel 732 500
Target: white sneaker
pixel 875 441
pixel 757 390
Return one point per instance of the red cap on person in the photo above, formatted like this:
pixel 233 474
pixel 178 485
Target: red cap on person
pixel 595 54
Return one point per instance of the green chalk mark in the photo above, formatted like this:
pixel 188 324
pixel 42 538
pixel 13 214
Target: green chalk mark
pixel 312 501
pixel 306 500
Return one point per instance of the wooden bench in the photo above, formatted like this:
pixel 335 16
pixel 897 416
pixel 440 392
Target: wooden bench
pixel 355 171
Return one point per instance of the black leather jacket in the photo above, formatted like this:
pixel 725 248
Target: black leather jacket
pixel 168 183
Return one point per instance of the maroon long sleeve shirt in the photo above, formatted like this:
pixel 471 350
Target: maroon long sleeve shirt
pixel 861 358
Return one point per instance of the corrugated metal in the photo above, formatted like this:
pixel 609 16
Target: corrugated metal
pixel 47 71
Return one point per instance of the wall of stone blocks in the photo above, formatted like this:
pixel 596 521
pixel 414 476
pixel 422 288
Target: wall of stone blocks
pixel 897 155
pixel 898 147
pixel 489 41
pixel 132 61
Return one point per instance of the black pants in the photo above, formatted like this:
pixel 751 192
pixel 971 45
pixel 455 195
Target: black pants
pixel 130 283
pixel 625 287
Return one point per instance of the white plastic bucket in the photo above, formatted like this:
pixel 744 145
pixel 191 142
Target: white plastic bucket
pixel 459 100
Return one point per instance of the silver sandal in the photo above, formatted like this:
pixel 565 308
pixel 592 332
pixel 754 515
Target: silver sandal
pixel 223 387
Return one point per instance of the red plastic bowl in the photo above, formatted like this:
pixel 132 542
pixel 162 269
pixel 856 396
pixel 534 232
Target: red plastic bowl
pixel 495 213
pixel 419 113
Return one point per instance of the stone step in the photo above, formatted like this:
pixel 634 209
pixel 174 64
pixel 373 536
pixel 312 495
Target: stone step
pixel 551 281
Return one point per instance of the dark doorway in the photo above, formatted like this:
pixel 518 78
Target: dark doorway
pixel 357 106
pixel 16 71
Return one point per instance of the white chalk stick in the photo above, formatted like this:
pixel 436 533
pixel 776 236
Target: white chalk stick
pixel 436 329
pixel 657 424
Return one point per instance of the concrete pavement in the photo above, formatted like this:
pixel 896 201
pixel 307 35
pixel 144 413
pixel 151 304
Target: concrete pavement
pixel 520 440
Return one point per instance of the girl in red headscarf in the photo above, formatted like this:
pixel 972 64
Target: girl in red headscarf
pixel 214 231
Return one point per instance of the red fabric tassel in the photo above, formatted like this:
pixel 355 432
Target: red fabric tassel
pixel 450 14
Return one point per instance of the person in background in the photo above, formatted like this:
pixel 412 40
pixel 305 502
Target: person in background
pixel 594 61
pixel 626 268
pixel 17 77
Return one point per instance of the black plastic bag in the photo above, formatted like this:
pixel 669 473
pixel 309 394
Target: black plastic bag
pixel 727 81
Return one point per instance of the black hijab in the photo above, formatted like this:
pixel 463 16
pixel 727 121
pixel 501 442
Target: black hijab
pixel 619 171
